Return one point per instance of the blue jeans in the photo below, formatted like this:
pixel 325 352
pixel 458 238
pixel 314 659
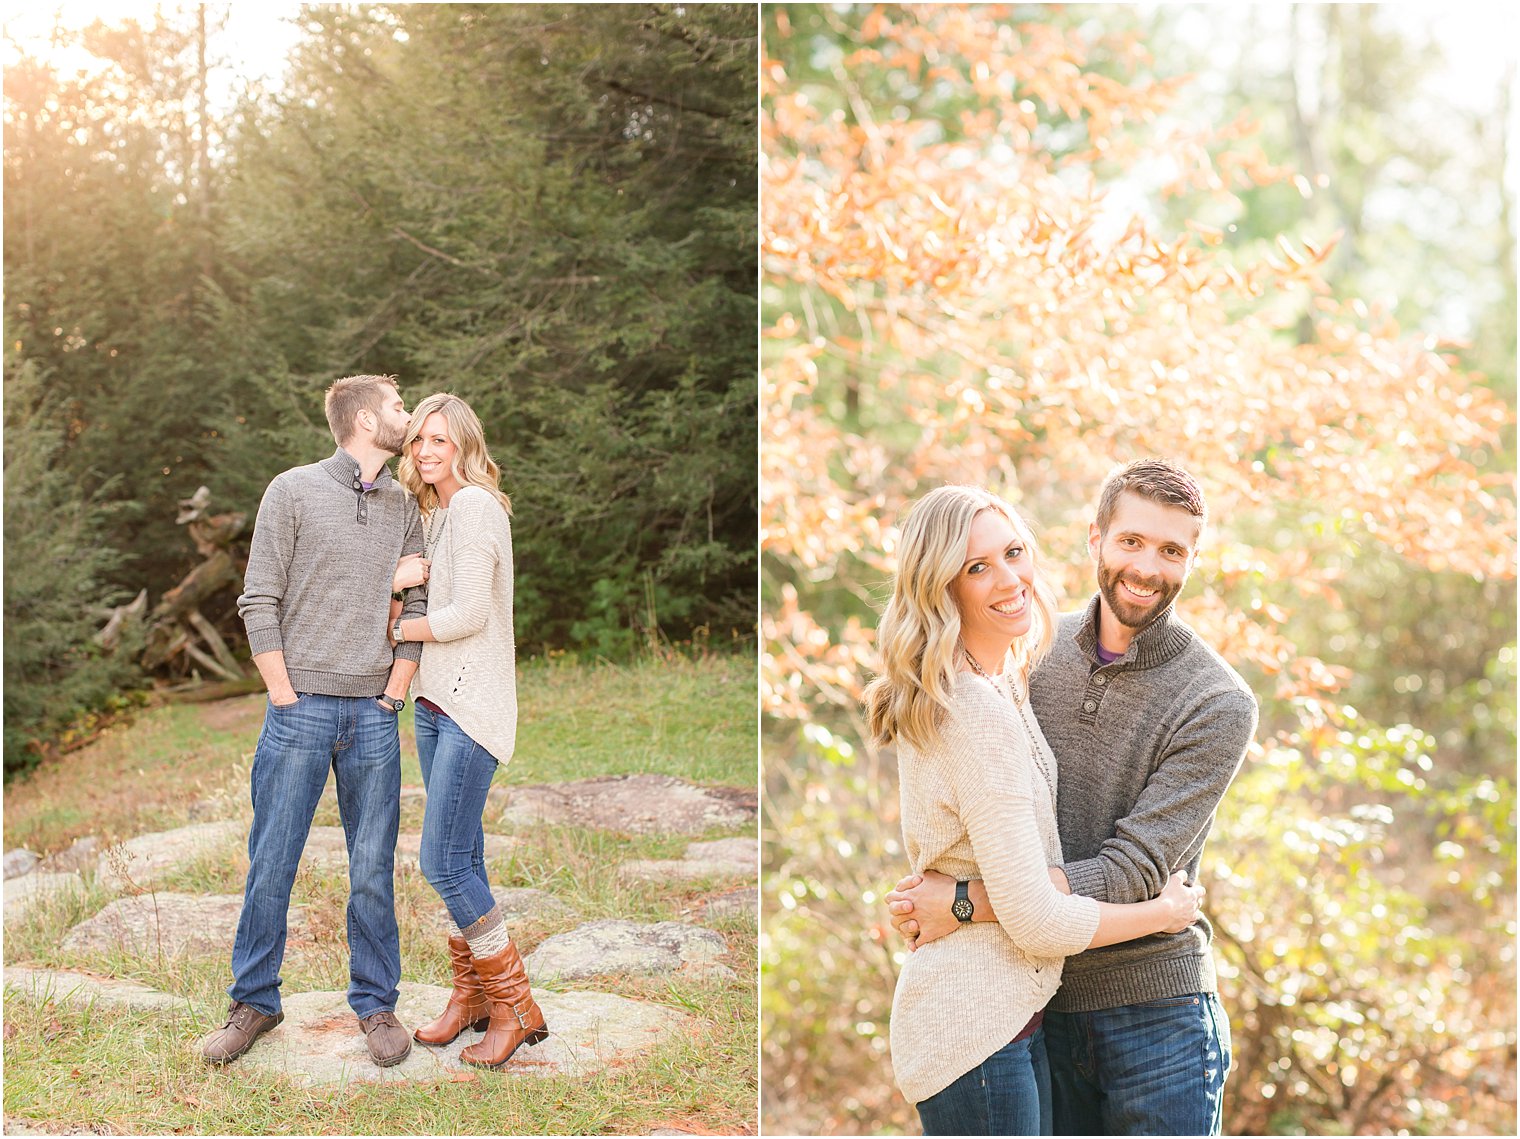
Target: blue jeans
pixel 457 773
pixel 356 739
pixel 1156 1068
pixel 1006 1094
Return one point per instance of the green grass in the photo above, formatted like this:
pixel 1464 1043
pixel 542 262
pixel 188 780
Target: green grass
pixel 140 776
pixel 693 719
pixel 64 1064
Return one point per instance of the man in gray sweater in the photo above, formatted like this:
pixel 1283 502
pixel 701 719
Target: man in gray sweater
pixel 1148 726
pixel 315 603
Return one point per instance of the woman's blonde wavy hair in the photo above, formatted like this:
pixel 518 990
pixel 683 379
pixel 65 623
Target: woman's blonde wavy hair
pixel 472 466
pixel 919 635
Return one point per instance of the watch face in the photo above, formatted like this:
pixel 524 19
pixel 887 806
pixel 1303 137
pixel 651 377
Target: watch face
pixel 962 909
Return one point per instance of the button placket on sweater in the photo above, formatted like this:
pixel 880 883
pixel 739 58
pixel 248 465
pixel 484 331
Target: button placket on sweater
pixel 362 510
pixel 1092 696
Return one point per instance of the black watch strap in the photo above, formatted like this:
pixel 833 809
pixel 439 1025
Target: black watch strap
pixel 962 907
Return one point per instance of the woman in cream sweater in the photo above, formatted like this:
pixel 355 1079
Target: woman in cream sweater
pixel 466 714
pixel 968 619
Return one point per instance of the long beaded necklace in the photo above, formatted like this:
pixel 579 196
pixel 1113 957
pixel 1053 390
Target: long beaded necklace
pixel 429 525
pixel 1036 751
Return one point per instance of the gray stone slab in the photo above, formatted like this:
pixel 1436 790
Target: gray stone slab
pixel 614 946
pixel 738 851
pixel 721 858
pixel 81 854
pixel 20 861
pixel 745 900
pixel 519 904
pixel 86 988
pixel 327 850
pixel 320 1042
pixel 173 924
pixel 21 893
pixel 636 804
pixel 142 860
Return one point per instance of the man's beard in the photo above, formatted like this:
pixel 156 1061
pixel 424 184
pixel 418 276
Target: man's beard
pixel 389 438
pixel 1130 615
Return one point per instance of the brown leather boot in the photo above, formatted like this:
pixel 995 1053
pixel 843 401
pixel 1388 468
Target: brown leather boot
pixel 467 1007
pixel 516 1018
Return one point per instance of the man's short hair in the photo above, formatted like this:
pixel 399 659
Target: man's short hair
pixel 351 395
pixel 1156 479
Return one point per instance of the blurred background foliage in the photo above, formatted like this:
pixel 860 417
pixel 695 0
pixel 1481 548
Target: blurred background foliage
pixel 1016 245
pixel 546 209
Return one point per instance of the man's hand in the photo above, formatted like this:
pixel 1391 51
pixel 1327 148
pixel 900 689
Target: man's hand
pixel 920 907
pixel 271 666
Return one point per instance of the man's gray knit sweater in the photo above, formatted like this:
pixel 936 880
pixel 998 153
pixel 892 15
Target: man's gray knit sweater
pixel 1145 748
pixel 320 567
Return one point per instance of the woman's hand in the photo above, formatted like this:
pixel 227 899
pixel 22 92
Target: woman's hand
pixel 411 571
pixel 1182 902
pixel 920 908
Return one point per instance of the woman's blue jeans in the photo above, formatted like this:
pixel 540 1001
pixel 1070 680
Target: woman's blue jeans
pixel 457 773
pixel 1006 1094
pixel 356 739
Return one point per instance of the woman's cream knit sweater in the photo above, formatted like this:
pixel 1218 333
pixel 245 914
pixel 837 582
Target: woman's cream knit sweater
pixel 975 806
pixel 470 671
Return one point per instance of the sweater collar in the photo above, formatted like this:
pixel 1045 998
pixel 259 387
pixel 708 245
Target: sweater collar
pixel 1155 644
pixel 344 468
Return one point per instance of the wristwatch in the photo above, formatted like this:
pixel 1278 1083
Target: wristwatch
pixel 962 907
pixel 396 631
pixel 394 703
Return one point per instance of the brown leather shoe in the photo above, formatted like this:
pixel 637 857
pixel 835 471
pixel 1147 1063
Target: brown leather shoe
pixel 387 1041
pixel 245 1024
pixel 467 1007
pixel 516 1018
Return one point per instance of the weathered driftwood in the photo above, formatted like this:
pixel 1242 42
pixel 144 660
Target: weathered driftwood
pixel 167 635
pixel 204 691
pixel 179 638
pixel 213 666
pixel 214 641
pixel 209 532
pixel 121 617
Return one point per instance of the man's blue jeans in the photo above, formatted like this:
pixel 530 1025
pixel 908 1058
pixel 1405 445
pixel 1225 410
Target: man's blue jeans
pixel 1006 1094
pixel 457 773
pixel 1156 1068
pixel 357 740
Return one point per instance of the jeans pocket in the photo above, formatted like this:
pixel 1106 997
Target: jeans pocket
pixel 278 708
pixel 1221 1021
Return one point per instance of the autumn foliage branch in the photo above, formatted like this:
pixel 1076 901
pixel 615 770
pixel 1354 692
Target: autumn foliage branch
pixel 969 301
